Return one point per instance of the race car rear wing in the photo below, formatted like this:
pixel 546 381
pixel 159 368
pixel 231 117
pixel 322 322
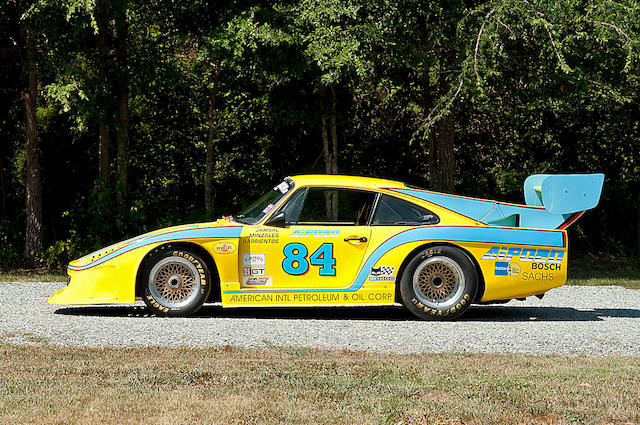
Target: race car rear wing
pixel 563 193
pixel 553 201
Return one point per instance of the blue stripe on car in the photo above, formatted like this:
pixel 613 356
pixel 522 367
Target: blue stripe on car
pixel 444 234
pixel 195 233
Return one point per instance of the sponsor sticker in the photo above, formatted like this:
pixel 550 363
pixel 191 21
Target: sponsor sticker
pixel 282 187
pixel 524 255
pixel 501 268
pixel 382 278
pixel 254 259
pixel 382 273
pixel 262 235
pixel 224 248
pixel 315 233
pixel 257 281
pixel 507 269
pixel 254 271
pixel 267 208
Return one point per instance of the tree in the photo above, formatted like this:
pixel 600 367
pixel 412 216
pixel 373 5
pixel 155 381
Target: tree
pixel 33 193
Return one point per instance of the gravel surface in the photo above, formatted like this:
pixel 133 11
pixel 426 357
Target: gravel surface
pixel 573 320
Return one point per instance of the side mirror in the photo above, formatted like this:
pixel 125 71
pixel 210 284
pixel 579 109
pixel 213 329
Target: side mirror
pixel 277 220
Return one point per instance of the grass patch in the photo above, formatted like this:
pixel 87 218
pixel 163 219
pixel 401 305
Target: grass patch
pixel 54 385
pixel 592 271
pixel 32 276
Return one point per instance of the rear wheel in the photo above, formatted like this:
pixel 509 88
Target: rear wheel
pixel 176 283
pixel 439 283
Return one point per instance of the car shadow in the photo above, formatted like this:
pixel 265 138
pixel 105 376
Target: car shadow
pixel 477 313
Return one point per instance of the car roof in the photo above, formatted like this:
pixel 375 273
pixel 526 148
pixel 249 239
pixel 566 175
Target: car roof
pixel 347 181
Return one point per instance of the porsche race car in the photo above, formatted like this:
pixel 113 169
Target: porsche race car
pixel 321 240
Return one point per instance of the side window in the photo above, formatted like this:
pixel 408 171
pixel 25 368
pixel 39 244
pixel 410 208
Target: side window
pixel 336 206
pixel 397 212
pixel 292 208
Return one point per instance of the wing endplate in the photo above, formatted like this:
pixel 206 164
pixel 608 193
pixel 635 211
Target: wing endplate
pixel 563 193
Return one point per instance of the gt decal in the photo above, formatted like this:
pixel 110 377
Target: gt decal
pixel 295 259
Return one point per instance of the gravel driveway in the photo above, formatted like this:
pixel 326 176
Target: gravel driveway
pixel 599 321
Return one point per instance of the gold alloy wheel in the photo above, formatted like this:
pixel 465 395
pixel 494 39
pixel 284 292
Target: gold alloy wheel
pixel 174 282
pixel 438 282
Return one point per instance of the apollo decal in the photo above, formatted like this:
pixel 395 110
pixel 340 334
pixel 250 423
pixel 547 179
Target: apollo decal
pixel 551 258
pixel 315 233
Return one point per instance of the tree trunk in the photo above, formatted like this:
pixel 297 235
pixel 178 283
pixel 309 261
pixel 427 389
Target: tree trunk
pixel 325 134
pixel 445 163
pixel 638 230
pixel 123 116
pixel 334 153
pixel 123 148
pixel 427 98
pixel 208 177
pixel 3 191
pixel 334 134
pixel 33 184
pixel 104 157
pixel 325 148
pixel 328 151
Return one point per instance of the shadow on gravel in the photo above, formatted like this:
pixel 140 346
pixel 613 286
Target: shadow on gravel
pixel 492 313
pixel 483 313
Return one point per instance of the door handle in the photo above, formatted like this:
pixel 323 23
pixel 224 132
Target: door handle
pixel 361 239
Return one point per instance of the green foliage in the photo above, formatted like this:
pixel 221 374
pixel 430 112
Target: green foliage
pixel 11 244
pixel 58 255
pixel 545 86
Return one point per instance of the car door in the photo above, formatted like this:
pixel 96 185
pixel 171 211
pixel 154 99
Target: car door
pixel 321 245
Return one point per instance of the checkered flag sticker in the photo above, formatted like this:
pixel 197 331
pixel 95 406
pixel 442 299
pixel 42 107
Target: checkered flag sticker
pixel 382 271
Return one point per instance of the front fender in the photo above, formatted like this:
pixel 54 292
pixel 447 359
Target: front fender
pixel 109 276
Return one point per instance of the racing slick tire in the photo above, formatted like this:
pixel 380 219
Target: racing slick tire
pixel 439 283
pixel 176 282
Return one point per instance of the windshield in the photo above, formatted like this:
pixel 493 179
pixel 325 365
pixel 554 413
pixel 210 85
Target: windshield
pixel 258 209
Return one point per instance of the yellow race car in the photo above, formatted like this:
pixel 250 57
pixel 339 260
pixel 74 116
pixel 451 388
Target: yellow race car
pixel 319 240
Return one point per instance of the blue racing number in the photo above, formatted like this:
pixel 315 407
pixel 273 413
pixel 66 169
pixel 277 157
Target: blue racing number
pixel 324 257
pixel 295 259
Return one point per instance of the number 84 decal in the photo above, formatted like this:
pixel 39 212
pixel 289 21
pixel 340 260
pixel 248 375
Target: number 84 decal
pixel 296 262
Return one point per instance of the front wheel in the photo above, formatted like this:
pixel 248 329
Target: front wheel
pixel 176 283
pixel 439 283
